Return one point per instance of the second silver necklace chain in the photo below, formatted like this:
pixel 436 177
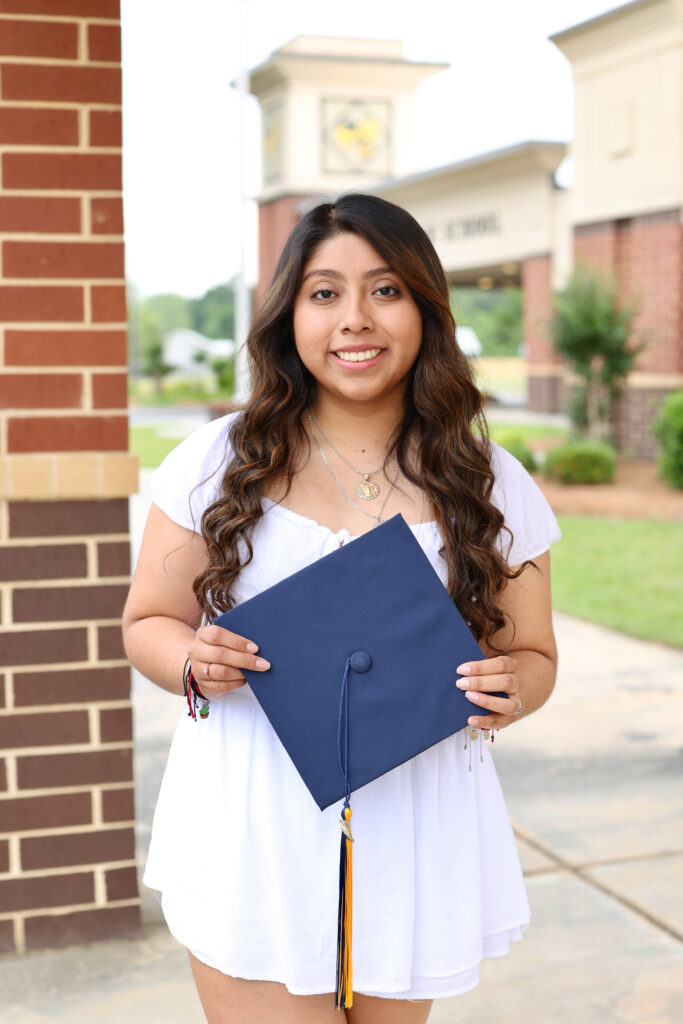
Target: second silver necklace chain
pixel 367 490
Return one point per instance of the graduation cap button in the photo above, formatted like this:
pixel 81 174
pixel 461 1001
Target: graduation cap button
pixel 360 661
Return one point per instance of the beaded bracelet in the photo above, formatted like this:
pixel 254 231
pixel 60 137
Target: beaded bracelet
pixel 193 694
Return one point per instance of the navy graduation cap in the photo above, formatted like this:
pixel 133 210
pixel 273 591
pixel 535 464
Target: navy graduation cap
pixel 363 646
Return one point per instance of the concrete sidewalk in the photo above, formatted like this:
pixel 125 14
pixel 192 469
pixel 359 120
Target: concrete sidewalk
pixel 594 784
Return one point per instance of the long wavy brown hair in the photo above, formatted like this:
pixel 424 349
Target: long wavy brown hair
pixel 442 418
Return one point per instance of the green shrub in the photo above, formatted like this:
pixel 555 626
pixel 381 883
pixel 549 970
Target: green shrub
pixel 580 462
pixel 515 444
pixel 669 429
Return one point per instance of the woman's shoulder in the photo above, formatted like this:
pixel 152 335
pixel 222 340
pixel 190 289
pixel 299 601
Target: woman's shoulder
pixel 208 442
pixel 527 513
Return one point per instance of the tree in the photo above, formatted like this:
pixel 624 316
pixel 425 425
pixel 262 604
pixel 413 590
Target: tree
pixel 213 315
pixel 592 331
pixel 495 316
pixel 152 348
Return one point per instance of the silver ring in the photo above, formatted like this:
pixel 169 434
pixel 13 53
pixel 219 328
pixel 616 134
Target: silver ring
pixel 206 671
pixel 519 709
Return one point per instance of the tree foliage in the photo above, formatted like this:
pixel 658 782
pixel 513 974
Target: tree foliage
pixel 152 348
pixel 213 315
pixel 592 331
pixel 495 316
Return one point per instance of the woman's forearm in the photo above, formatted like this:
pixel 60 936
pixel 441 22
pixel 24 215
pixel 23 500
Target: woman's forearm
pixel 157 647
pixel 538 672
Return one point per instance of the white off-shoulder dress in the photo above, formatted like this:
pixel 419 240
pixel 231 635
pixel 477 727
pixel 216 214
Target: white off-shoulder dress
pixel 247 864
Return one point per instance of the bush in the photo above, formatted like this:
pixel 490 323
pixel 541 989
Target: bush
pixel 669 429
pixel 515 444
pixel 580 462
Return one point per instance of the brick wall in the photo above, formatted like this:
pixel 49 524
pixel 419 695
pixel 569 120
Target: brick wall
pixel 276 219
pixel 67 857
pixel 645 253
pixel 544 365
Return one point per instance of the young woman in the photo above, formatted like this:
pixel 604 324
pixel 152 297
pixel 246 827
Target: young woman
pixel 362 407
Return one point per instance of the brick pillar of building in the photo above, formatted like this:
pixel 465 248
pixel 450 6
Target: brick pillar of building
pixel 544 367
pixel 277 218
pixel 645 253
pixel 67 843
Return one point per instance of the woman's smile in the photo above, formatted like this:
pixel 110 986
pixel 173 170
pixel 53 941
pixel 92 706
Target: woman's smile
pixel 358 359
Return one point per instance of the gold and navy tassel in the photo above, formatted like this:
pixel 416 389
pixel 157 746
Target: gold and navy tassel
pixel 344 990
pixel 343 998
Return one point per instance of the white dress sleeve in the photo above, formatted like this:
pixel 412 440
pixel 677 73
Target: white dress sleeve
pixel 527 513
pixel 189 478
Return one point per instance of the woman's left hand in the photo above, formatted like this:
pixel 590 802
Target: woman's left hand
pixel 482 679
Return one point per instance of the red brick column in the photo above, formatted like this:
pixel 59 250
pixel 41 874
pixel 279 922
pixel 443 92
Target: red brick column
pixel 67 850
pixel 276 219
pixel 545 388
pixel 645 253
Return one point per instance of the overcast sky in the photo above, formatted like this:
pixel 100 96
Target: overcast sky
pixel 506 83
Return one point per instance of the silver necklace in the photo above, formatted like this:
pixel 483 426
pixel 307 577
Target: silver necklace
pixel 378 518
pixel 366 490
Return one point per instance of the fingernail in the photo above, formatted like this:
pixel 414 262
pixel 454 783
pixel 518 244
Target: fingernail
pixel 473 696
pixel 262 663
pixel 463 670
pixel 252 648
pixel 461 684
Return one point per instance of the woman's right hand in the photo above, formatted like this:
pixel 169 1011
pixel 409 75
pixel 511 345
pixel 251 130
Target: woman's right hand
pixel 216 657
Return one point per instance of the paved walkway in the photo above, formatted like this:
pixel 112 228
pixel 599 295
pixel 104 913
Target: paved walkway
pixel 594 788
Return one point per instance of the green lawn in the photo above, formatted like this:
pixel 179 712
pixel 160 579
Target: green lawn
pixel 526 432
pixel 622 573
pixel 150 447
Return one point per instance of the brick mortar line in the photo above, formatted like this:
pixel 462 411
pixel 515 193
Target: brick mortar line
pixel 66 791
pixel 41 282
pixel 580 872
pixel 9 690
pixel 67 869
pixel 68 830
pixel 99 886
pixel 66 581
pixel 121 703
pixel 30 627
pixel 68 908
pixel 11 775
pixel 76 63
pixel 63 193
pixel 14 855
pixel 50 149
pixel 94 726
pixel 62 237
pixel 71 19
pixel 91 559
pixel 37 542
pixel 96 809
pixel 72 410
pixel 67 325
pixel 82 42
pixel 64 624
pixel 41 371
pixel 60 749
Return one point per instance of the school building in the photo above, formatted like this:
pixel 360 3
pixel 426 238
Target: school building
pixel 336 115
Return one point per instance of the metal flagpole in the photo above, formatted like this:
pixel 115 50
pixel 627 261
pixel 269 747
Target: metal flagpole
pixel 242 312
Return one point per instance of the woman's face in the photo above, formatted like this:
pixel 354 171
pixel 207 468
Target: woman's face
pixel 356 325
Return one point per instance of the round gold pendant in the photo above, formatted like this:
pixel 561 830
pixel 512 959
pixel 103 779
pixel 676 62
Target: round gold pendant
pixel 367 491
